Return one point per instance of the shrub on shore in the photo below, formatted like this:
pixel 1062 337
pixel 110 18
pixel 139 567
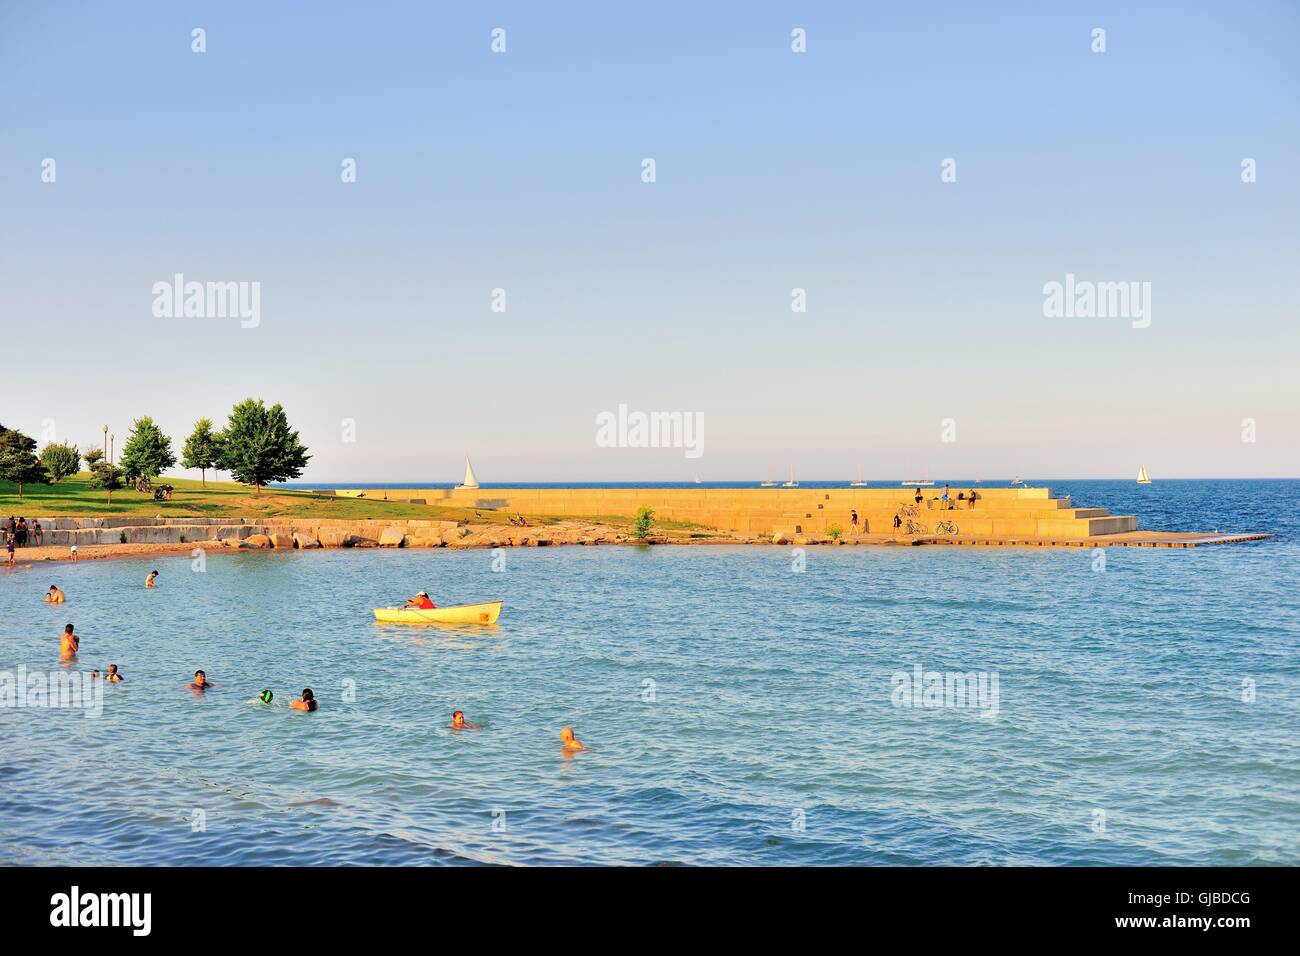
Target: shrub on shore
pixel 641 524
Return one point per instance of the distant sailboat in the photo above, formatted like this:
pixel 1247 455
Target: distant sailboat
pixel 859 483
pixel 1017 481
pixel 697 478
pixel 1142 475
pixel 470 481
pixel 768 484
pixel 791 483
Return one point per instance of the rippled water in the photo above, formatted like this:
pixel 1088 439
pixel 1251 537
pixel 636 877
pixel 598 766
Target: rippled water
pixel 771 737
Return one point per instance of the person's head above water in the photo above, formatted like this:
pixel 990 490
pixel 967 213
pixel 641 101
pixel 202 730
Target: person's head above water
pixel 68 629
pixel 200 678
pixel 457 718
pixel 309 699
pixel 570 742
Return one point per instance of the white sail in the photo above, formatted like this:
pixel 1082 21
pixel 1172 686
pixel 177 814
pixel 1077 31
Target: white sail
pixel 470 481
pixel 1142 475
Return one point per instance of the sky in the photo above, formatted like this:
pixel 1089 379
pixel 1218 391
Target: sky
pixel 924 347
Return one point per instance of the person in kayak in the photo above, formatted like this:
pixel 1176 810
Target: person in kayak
pixel 570 742
pixel 422 602
pixel 307 703
pixel 458 721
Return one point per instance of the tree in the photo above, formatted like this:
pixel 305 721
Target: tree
pixel 60 460
pixel 258 446
pixel 202 449
pixel 106 476
pixel 18 461
pixel 93 457
pixel 641 524
pixel 147 452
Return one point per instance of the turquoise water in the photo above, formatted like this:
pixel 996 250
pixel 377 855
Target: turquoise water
pixel 772 736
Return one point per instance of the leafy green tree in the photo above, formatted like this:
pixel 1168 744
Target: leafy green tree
pixel 93 457
pixel 18 461
pixel 60 460
pixel 106 476
pixel 641 525
pixel 202 449
pixel 147 452
pixel 258 446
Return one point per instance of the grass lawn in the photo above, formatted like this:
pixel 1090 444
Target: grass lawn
pixel 75 496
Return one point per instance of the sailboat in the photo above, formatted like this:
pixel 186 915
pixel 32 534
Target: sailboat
pixel 791 483
pixel 768 484
pixel 1142 475
pixel 697 478
pixel 859 483
pixel 470 481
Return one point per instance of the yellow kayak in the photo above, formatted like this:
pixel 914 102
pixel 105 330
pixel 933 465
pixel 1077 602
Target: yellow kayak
pixel 461 614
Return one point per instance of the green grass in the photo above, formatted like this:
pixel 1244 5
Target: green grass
pixel 75 496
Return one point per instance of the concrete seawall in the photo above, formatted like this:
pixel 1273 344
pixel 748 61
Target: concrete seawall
pixel 1027 513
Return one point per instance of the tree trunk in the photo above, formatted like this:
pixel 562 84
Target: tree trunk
pixel 20 489
pixel 203 476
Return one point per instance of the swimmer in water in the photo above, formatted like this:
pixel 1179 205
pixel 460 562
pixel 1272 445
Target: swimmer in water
pixel 458 721
pixel 69 644
pixel 570 742
pixel 149 581
pixel 266 697
pixel 201 682
pixel 307 703
pixel 113 677
pixel 54 595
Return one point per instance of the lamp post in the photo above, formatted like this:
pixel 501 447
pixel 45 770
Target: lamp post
pixel 105 446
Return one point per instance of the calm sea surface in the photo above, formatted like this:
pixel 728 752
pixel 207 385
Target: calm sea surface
pixel 738 711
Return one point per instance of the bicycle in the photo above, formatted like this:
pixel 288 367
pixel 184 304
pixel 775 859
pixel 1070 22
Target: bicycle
pixel 915 527
pixel 945 527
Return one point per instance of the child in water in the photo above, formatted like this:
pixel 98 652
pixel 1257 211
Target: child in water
pixel 570 742
pixel 54 595
pixel 69 644
pixel 308 702
pixel 149 581
pixel 458 721
pixel 113 677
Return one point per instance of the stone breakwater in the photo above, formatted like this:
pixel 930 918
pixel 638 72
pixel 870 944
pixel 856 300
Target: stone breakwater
pixel 303 533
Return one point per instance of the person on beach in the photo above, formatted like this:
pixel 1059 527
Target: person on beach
pixel 72 555
pixel 149 581
pixel 200 682
pixel 20 533
pixel 570 742
pixel 422 602
pixel 947 501
pixel 38 533
pixel 458 721
pixel 54 595
pixel 970 501
pixel 918 496
pixel 306 703
pixel 69 644
pixel 9 550
pixel 854 522
pixel 898 521
pixel 113 677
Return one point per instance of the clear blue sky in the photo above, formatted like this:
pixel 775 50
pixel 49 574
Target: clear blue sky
pixel 775 171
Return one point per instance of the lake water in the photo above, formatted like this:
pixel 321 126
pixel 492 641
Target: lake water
pixel 738 711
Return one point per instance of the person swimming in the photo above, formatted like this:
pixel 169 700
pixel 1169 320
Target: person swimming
pixel 149 581
pixel 200 682
pixel 307 703
pixel 113 677
pixel 266 697
pixel 69 644
pixel 569 741
pixel 458 722
pixel 421 601
pixel 54 595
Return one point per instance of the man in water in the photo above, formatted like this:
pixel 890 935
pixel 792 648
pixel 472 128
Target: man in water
pixel 113 677
pixel 200 683
pixel 69 644
pixel 570 742
pixel 458 721
pixel 307 703
pixel 54 595
pixel 149 581
pixel 422 602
